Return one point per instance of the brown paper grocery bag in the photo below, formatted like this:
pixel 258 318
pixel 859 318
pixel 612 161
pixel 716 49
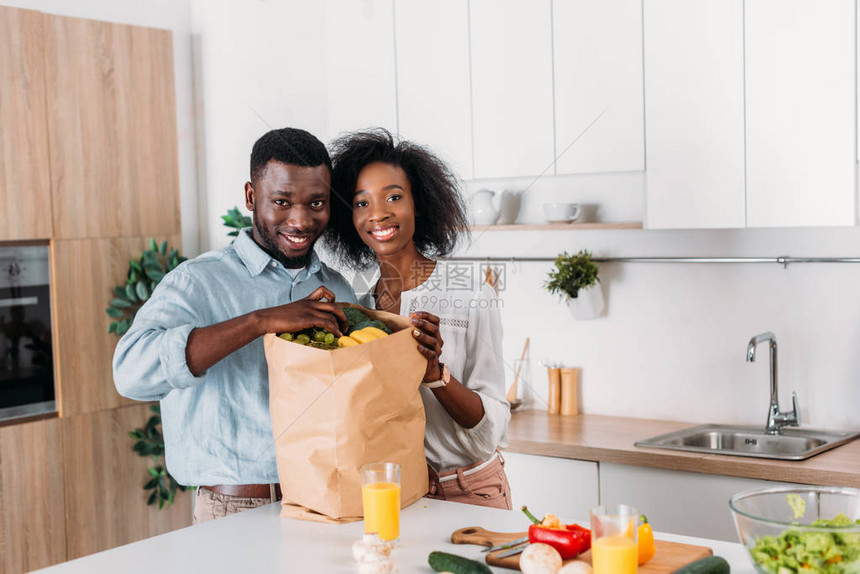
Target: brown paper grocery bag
pixel 334 411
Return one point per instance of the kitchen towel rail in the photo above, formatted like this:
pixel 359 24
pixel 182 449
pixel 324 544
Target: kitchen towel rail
pixel 785 260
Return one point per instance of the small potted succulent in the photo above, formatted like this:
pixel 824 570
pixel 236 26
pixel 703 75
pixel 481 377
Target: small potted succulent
pixel 574 279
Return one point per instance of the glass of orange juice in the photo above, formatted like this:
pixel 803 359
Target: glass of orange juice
pixel 613 539
pixel 380 496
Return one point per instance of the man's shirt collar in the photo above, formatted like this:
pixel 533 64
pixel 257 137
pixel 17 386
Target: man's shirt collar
pixel 256 260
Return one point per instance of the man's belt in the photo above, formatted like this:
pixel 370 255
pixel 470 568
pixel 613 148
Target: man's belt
pixel 247 490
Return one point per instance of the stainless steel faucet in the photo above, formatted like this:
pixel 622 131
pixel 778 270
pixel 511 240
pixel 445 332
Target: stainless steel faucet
pixel 775 419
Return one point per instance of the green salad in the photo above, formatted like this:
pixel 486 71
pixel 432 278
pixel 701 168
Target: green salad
pixel 796 551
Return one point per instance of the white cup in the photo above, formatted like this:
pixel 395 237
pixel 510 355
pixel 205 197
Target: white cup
pixel 561 211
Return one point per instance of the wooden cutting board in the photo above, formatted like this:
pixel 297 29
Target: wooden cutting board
pixel 669 557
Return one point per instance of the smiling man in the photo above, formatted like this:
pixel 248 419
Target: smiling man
pixel 196 344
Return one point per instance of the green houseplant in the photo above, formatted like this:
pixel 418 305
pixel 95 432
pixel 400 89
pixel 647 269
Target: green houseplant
pixel 574 279
pixel 235 220
pixel 143 275
pixel 571 274
pixel 150 442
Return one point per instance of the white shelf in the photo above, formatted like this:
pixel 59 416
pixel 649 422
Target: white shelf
pixel 559 226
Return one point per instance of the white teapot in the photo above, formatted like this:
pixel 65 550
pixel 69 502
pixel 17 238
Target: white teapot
pixel 509 206
pixel 482 207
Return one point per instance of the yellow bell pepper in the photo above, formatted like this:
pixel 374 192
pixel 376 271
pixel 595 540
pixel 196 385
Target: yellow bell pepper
pixel 367 334
pixel 346 342
pixel 375 331
pixel 646 541
pixel 360 336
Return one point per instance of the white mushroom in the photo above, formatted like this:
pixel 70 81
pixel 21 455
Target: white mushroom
pixel 370 544
pixel 372 554
pixel 576 567
pixel 374 564
pixel 540 558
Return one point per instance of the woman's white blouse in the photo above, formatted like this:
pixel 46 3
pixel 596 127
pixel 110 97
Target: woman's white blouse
pixel 471 327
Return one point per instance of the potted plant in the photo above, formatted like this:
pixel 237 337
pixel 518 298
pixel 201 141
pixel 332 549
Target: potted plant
pixel 143 275
pixel 574 278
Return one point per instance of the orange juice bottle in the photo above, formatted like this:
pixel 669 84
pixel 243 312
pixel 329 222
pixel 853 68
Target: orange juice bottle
pixel 381 502
pixel 614 555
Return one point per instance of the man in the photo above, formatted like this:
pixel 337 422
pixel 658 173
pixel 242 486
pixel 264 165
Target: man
pixel 196 344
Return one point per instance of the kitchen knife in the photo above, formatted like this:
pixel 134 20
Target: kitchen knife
pixel 510 544
pixel 512 551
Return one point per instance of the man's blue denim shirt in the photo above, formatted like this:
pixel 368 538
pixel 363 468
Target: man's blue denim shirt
pixel 217 428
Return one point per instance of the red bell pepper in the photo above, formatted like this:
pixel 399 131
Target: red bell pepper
pixel 570 540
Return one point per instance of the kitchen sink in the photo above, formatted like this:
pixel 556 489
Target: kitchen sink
pixel 791 444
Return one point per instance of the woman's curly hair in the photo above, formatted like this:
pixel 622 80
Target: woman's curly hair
pixel 440 220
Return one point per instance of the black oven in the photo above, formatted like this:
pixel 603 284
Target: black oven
pixel 26 359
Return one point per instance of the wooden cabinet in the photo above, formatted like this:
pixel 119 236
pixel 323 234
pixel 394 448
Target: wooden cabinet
pixel 88 159
pixel 32 507
pixel 112 129
pixel 433 83
pixel 694 113
pixel 85 273
pixel 106 504
pixel 564 487
pixel 25 178
pixel 512 108
pixel 361 91
pixel 678 502
pixel 597 67
pixel 800 112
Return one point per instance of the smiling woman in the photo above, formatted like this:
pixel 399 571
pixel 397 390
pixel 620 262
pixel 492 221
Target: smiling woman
pixel 397 204
pixel 441 219
pixel 383 209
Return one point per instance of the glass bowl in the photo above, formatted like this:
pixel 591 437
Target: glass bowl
pixel 775 526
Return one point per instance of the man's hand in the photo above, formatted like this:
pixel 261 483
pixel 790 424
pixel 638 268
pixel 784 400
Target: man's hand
pixel 208 345
pixel 316 310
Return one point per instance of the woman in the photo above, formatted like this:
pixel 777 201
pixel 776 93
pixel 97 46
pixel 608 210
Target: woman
pixel 397 204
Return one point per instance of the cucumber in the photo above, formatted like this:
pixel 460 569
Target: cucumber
pixel 444 562
pixel 709 565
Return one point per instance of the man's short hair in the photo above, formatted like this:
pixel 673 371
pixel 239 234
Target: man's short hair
pixel 290 146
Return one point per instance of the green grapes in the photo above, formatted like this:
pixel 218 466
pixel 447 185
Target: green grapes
pixel 313 337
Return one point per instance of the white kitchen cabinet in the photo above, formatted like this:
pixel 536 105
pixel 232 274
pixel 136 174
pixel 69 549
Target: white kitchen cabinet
pixel 800 108
pixel 694 113
pixel 678 502
pixel 564 487
pixel 434 102
pixel 512 108
pixel 359 60
pixel 597 66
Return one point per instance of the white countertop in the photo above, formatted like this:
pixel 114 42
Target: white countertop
pixel 260 541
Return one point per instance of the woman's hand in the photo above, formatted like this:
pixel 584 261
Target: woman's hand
pixel 462 404
pixel 426 332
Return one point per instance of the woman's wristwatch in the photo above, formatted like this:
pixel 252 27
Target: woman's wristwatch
pixel 443 382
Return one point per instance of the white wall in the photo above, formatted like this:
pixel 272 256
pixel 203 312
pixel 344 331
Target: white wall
pixel 672 341
pixel 246 75
pixel 173 15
